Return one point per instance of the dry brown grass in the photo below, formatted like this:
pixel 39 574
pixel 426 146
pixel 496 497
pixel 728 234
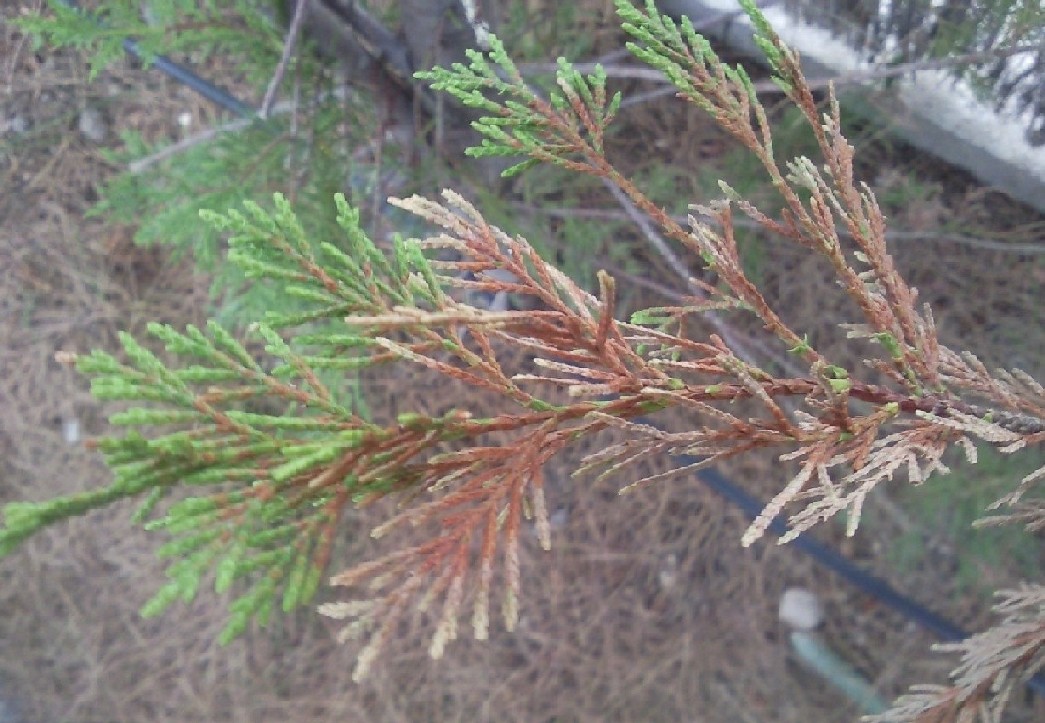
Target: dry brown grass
pixel 646 609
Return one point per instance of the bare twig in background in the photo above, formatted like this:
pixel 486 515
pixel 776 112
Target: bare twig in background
pixel 208 134
pixel 892 235
pixel 646 227
pixel 742 347
pixel 289 44
pixel 142 164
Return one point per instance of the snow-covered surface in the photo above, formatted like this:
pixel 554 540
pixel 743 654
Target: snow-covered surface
pixel 930 110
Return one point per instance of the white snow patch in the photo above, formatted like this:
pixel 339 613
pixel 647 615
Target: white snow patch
pixel 951 103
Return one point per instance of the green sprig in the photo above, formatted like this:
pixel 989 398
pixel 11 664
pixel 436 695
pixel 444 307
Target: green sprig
pixel 571 122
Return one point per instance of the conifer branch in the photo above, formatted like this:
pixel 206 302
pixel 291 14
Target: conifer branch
pixel 994 664
pixel 273 456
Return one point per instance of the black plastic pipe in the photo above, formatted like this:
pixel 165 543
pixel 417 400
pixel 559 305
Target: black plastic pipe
pixel 186 77
pixel 183 75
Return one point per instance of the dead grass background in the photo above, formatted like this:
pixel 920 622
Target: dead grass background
pixel 647 608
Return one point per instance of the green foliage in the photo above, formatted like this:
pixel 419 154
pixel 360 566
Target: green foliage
pixel 261 521
pixel 987 24
pixel 945 513
pixel 530 31
pixel 512 127
pixel 248 163
pixel 236 28
pixel 675 48
pixel 241 167
pixel 308 155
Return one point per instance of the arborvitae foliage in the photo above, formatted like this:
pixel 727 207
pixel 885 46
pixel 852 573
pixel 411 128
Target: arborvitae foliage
pixel 161 26
pixel 249 160
pixel 261 494
pixel 307 149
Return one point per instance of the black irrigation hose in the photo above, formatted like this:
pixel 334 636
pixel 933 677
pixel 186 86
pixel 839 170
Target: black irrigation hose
pixel 183 75
pixel 751 507
pixel 186 77
pixel 829 558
